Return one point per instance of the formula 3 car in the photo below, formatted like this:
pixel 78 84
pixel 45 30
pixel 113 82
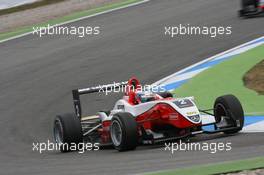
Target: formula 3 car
pixel 251 8
pixel 145 117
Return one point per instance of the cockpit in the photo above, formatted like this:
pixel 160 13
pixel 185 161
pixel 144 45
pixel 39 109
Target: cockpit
pixel 144 97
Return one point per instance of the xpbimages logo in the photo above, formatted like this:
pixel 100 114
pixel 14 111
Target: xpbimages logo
pixel 116 88
pixel 65 30
pixel 211 31
pixel 51 146
pixel 198 146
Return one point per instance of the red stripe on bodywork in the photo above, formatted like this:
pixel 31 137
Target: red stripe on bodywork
pixel 164 114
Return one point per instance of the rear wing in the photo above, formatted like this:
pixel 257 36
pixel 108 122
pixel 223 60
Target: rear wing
pixel 76 93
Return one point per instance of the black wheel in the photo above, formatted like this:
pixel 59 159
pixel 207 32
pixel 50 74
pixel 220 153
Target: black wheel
pixel 240 13
pixel 229 113
pixel 67 131
pixel 123 131
pixel 246 3
pixel 165 94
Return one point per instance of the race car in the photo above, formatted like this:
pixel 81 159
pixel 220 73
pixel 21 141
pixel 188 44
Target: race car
pixel 144 117
pixel 251 8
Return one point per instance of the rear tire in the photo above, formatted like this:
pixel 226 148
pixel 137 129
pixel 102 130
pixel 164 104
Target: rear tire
pixel 230 107
pixel 67 131
pixel 123 131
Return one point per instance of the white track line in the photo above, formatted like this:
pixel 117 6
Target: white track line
pixel 79 19
pixel 241 50
pixel 184 76
pixel 254 128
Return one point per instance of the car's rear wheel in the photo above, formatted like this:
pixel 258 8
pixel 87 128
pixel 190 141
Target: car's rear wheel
pixel 67 131
pixel 123 131
pixel 228 112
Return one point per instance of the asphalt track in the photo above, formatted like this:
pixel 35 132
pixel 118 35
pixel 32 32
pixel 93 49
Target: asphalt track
pixel 37 74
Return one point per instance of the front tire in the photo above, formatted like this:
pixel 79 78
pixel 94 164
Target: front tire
pixel 228 109
pixel 123 131
pixel 67 131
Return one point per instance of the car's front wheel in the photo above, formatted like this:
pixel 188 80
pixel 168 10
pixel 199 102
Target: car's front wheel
pixel 229 113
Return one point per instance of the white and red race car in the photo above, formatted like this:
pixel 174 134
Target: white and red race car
pixel 251 8
pixel 145 118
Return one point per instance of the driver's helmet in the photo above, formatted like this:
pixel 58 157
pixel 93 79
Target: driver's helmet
pixel 145 96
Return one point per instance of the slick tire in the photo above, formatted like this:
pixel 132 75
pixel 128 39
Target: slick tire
pixel 123 131
pixel 67 131
pixel 230 107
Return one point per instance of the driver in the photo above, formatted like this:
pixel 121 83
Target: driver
pixel 145 96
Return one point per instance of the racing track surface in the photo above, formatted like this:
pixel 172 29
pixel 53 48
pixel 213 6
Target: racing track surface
pixel 37 74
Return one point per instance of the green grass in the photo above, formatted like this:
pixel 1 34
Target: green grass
pixel 226 78
pixel 73 16
pixel 225 167
pixel 28 6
